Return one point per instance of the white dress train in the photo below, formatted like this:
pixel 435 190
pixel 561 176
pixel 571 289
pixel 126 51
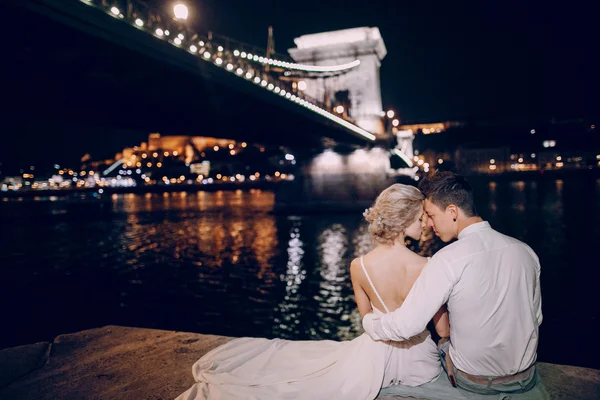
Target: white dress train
pixel 254 368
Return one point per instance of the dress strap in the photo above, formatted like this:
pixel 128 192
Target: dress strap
pixel 362 264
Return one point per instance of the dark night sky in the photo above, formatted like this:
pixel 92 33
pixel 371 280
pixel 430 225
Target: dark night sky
pixel 446 60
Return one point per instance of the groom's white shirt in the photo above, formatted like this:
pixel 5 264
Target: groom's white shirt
pixel 491 283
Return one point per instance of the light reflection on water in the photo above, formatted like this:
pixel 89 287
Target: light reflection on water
pixel 224 263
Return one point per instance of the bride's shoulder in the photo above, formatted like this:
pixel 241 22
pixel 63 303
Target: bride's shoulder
pixel 418 262
pixel 356 272
pixel 356 263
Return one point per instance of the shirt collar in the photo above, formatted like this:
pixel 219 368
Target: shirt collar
pixel 476 227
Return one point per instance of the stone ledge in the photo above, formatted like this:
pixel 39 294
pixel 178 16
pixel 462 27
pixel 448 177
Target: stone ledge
pixel 117 362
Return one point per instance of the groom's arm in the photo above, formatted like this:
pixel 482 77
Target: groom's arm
pixel 430 291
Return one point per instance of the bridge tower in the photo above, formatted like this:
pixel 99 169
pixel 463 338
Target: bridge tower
pixel 357 90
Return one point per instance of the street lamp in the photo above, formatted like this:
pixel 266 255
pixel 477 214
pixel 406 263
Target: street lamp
pixel 180 11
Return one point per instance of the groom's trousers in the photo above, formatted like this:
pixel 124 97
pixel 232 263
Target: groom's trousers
pixel 525 383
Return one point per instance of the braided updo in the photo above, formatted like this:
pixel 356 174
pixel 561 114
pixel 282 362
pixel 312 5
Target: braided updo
pixel 395 209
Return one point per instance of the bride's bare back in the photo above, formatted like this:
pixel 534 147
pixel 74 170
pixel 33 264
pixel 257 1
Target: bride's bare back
pixel 393 271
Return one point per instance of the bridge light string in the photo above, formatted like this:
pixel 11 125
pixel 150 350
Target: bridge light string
pixel 403 156
pixel 178 41
pixel 296 66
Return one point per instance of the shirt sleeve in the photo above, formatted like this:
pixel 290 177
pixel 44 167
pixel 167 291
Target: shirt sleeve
pixel 537 291
pixel 430 291
pixel 537 294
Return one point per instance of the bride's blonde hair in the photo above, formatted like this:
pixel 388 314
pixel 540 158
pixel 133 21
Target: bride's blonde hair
pixel 395 209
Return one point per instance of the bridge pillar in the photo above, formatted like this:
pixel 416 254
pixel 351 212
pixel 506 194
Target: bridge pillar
pixel 360 85
pixel 347 180
pixel 405 142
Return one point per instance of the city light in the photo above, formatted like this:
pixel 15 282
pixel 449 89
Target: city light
pixel 390 114
pixel 395 122
pixel 302 86
pixel 159 32
pixel 339 109
pixel 180 11
pixel 115 11
pixel 139 22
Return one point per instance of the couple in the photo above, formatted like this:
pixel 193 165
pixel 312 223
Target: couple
pixel 482 293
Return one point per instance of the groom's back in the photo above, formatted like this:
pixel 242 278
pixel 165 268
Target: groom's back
pixel 494 305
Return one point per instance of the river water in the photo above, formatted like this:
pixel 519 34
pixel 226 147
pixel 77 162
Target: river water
pixel 225 263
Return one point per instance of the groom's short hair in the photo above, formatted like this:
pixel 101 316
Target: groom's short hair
pixel 446 188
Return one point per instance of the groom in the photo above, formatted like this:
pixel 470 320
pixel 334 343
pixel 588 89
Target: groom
pixel 491 284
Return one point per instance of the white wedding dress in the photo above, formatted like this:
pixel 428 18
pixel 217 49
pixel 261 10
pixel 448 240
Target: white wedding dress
pixel 254 368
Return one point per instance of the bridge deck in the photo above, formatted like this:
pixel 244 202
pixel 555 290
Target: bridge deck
pixel 209 95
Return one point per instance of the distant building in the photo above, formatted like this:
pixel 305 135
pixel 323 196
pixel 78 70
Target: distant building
pixel 482 161
pixel 428 128
pixel 186 146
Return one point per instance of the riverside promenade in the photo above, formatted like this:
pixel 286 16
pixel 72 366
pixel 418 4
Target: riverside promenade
pixel 115 362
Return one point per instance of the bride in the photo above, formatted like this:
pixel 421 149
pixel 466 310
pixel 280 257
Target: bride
pixel 254 368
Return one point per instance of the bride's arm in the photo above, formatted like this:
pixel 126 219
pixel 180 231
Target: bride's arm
pixel 442 322
pixel 362 300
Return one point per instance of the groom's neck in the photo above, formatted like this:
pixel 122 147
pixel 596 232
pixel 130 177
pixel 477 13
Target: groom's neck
pixel 466 222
